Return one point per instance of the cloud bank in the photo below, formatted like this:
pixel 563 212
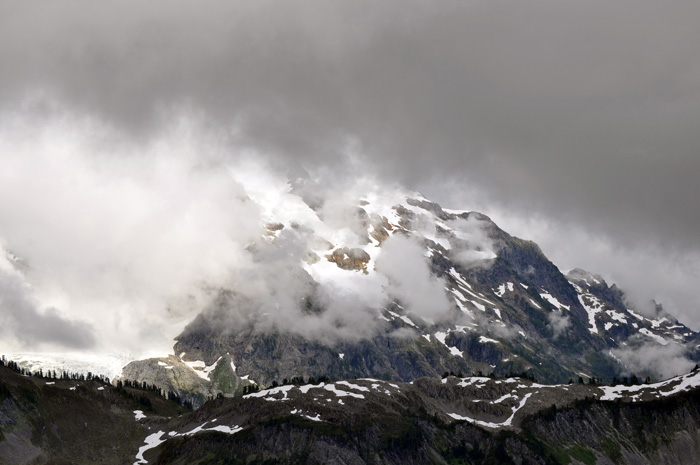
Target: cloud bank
pixel 575 109
pixel 118 233
pixel 662 361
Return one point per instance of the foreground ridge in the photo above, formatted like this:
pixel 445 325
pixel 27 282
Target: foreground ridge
pixel 450 420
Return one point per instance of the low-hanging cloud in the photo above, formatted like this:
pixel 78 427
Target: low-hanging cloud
pixel 661 361
pixel 558 322
pixel 475 247
pixel 129 241
pixel 122 235
pixel 410 279
pixel 281 295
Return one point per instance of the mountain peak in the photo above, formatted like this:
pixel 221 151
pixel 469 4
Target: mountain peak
pixel 580 275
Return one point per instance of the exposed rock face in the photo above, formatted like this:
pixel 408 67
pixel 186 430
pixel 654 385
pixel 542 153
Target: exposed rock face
pixel 192 381
pixel 350 259
pixel 380 228
pixel 268 356
pixel 272 228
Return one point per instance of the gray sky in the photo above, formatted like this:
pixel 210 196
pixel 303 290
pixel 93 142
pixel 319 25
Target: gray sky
pixel 572 123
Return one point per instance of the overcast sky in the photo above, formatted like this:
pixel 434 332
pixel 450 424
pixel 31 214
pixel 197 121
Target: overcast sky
pixel 572 123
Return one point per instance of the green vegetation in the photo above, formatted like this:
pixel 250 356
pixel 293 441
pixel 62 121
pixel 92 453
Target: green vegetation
pixel 612 450
pixel 582 454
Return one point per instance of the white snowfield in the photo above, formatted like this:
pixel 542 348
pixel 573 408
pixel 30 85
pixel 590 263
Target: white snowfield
pixel 220 428
pixel 267 393
pixel 655 337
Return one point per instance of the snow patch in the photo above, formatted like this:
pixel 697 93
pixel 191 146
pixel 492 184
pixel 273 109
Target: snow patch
pixel 152 441
pixel 617 316
pixel 226 429
pixel 271 392
pixel 456 352
pixel 636 315
pixel 440 336
pixel 488 424
pixel 353 386
pixel 553 300
pixel 459 278
pixel 341 393
pixel 595 307
pixel 656 337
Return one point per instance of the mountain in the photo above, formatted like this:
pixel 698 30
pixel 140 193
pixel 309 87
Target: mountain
pixel 453 420
pixel 383 329
pixel 393 286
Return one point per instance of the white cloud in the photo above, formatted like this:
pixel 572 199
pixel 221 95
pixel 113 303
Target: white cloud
pixel 123 236
pixel 403 263
pixel 664 361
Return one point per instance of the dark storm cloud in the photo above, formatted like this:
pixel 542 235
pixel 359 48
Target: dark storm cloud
pixel 582 111
pixel 588 108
